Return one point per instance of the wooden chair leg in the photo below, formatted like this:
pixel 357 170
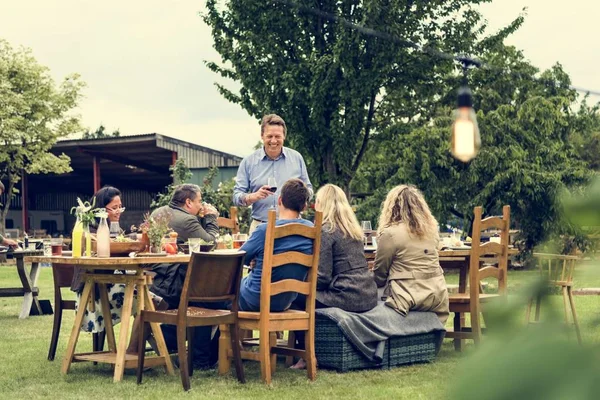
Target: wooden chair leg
pixel 575 321
pixel 273 343
pixel 225 340
pixel 538 303
pixel 457 328
pixel 528 312
pixel 190 340
pixel 264 356
pixel 476 326
pixel 309 354
pixel 183 355
pixel 289 360
pixel 55 329
pixel 565 296
pixel 237 354
pixel 140 351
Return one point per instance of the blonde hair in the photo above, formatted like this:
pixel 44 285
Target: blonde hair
pixel 332 201
pixel 405 203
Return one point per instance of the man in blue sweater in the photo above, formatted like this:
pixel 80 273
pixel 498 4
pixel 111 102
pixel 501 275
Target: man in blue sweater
pixel 293 199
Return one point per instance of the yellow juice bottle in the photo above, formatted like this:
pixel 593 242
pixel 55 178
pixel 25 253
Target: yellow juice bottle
pixel 76 238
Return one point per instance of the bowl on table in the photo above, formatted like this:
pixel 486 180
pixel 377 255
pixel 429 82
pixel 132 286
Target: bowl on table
pixel 123 248
pixel 207 247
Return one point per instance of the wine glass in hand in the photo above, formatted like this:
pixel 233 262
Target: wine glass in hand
pixel 272 184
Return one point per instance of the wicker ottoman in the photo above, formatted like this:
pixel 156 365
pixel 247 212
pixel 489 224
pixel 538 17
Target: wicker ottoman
pixel 335 352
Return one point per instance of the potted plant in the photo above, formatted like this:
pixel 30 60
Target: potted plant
pixel 156 227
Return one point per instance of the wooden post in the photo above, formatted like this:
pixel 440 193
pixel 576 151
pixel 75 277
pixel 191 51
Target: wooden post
pixel 96 162
pixel 24 204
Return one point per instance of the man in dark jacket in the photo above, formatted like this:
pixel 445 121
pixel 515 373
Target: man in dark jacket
pixel 184 209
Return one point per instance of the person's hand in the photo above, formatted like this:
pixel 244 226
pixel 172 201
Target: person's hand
pixel 209 209
pixel 260 194
pixel 10 242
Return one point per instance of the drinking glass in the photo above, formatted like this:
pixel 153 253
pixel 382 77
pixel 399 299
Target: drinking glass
pixel 47 247
pixel 194 245
pixel 56 244
pixel 239 240
pixel 115 229
pixel 366 226
pixel 272 183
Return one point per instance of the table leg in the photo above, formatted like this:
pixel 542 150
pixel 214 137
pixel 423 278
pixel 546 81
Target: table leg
pixel 87 290
pixel 108 325
pixel 125 317
pixel 158 336
pixel 30 299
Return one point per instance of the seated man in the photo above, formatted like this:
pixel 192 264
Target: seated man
pixel 184 208
pixel 293 199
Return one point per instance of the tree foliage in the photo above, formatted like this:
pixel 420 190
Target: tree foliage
pixel 527 159
pixel 100 133
pixel 334 85
pixel 34 114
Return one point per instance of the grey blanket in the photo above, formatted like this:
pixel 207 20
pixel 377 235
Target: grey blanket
pixel 370 330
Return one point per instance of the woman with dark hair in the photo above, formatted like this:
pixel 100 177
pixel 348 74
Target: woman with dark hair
pixel 108 198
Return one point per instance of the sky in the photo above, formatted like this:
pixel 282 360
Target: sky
pixel 143 61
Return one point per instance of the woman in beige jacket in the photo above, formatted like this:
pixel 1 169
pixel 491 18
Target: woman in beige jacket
pixel 407 261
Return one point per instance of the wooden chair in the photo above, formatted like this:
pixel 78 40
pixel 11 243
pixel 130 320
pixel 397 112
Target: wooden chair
pixel 473 301
pixel 559 271
pixel 231 222
pixel 63 276
pixel 210 278
pixel 268 323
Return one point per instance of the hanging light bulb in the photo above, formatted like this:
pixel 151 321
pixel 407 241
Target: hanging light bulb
pixel 465 132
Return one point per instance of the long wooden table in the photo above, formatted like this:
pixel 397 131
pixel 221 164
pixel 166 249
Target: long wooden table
pixel 100 271
pixel 28 290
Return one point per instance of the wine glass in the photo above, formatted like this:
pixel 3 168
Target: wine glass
pixel 272 183
pixel 366 226
pixel 115 229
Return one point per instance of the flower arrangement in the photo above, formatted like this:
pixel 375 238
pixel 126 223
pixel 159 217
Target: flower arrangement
pixel 156 227
pixel 86 213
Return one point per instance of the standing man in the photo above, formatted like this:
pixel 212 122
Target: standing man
pixel 4 241
pixel 273 160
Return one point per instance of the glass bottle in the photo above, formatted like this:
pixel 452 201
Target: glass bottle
pixel 76 238
pixel 103 239
pixel 88 240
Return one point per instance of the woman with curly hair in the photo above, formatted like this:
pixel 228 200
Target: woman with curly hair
pixel 407 262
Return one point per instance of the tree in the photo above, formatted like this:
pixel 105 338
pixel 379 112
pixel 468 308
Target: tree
pixel 334 85
pixel 180 173
pixel 34 114
pixel 100 133
pixel 526 160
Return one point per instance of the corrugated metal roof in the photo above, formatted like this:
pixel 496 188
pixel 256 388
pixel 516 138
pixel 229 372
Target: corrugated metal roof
pixel 196 156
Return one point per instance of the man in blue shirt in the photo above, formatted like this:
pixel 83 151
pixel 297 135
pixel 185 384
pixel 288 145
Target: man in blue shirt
pixel 293 199
pixel 273 160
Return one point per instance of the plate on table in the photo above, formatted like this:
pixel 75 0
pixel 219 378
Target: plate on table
pixel 151 254
pixel 370 248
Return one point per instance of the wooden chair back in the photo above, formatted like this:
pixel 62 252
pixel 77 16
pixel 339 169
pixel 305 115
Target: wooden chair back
pixel 497 250
pixel 212 277
pixel 231 222
pixel 558 268
pixel 271 260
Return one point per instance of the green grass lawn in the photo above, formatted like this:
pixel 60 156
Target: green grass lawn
pixel 26 373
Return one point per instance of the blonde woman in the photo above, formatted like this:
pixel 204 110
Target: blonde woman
pixel 407 261
pixel 344 280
